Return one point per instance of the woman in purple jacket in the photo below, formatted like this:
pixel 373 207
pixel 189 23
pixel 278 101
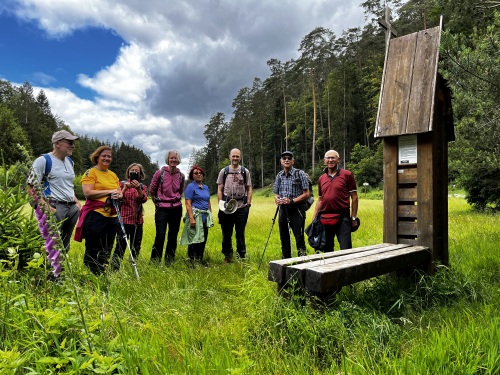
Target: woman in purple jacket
pixel 166 189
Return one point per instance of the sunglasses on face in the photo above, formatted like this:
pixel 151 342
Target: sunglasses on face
pixel 71 143
pixel 286 158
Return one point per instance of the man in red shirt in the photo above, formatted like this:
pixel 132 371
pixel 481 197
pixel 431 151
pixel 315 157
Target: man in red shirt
pixel 337 202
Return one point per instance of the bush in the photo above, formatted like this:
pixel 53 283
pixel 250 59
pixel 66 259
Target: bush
pixel 18 226
pixel 366 164
pixel 78 187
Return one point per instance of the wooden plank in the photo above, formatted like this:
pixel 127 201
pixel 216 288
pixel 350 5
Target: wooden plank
pixel 407 194
pixel 382 87
pixel 277 268
pixel 407 211
pixel 326 278
pixel 407 176
pixel 296 273
pixel 440 139
pixel 426 170
pixel 408 228
pixel 390 190
pixel 393 109
pixel 408 241
pixel 423 85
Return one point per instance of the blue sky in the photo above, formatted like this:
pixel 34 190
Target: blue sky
pixel 152 73
pixel 45 61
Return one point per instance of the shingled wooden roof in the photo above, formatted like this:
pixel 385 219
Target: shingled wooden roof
pixel 408 93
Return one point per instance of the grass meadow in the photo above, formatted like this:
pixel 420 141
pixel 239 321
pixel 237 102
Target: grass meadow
pixel 229 319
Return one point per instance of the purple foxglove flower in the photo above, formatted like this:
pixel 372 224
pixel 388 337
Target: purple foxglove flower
pixel 49 245
pixel 50 241
pixel 57 269
pixel 53 256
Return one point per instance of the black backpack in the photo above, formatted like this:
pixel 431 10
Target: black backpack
pixel 310 200
pixel 242 171
pixel 48 168
pixel 316 234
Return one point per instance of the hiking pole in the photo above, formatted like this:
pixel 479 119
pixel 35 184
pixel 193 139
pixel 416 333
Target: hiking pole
pixel 131 257
pixel 269 236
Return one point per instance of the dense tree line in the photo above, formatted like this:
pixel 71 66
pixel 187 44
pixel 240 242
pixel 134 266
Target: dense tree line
pixel 28 120
pixel 328 98
pixel 472 68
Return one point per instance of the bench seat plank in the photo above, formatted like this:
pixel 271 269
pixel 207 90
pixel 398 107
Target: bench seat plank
pixel 297 272
pixel 277 268
pixel 328 277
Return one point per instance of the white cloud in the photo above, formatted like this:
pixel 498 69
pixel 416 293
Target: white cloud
pixel 183 60
pixel 43 78
pixel 126 80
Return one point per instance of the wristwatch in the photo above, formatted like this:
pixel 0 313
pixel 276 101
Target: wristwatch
pixel 291 201
pixel 353 218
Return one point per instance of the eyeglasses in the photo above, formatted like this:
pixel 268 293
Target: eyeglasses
pixel 287 158
pixel 71 143
pixel 197 173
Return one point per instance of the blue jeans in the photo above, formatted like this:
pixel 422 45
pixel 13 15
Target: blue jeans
pixel 238 220
pixel 164 217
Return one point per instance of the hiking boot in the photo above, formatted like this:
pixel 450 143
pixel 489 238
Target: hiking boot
pixel 228 259
pixel 302 252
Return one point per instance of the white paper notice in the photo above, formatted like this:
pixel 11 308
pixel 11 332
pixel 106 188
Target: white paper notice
pixel 407 149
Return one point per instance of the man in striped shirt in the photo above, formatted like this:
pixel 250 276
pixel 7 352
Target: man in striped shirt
pixel 291 190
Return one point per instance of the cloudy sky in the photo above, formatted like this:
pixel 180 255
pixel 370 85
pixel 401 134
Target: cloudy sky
pixel 152 72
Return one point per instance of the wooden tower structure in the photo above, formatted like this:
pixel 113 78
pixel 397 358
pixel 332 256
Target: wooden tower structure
pixel 415 121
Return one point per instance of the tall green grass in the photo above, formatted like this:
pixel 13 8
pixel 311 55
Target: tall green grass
pixel 228 319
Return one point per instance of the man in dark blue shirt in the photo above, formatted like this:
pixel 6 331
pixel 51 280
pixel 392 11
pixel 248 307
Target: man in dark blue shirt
pixel 291 190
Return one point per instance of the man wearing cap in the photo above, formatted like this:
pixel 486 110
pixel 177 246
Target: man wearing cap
pixel 337 202
pixel 59 196
pixel 291 190
pixel 234 189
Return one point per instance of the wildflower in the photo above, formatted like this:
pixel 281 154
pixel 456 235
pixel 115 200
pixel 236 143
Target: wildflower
pixel 50 237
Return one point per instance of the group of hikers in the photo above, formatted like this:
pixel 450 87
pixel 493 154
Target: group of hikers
pixel 114 208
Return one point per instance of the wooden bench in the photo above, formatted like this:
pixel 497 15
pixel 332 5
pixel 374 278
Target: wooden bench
pixel 324 274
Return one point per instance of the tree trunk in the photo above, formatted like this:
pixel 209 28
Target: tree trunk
pixel 314 126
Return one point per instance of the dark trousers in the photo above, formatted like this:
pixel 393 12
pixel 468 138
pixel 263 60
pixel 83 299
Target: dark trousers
pixel 343 232
pixel 294 218
pixel 238 221
pixel 99 232
pixel 164 217
pixel 196 250
pixel 66 216
pixel 134 236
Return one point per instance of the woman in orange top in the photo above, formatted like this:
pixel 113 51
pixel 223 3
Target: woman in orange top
pixel 98 222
